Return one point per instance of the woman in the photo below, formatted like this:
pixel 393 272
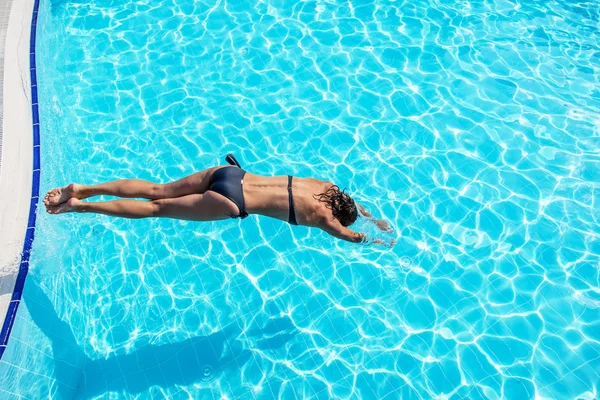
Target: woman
pixel 218 193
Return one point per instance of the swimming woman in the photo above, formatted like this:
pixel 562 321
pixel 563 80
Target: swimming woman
pixel 218 193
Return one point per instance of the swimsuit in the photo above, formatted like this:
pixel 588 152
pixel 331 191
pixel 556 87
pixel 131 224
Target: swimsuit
pixel 292 213
pixel 229 182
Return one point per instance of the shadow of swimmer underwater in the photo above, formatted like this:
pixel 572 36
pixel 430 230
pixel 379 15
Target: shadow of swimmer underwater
pixel 205 358
pixel 226 191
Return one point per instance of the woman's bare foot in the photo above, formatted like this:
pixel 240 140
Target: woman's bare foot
pixel 68 206
pixel 59 196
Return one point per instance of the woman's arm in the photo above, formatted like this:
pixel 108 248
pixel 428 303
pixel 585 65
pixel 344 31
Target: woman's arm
pixel 334 228
pixel 364 211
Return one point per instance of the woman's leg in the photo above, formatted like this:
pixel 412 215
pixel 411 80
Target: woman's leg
pixel 209 206
pixel 133 188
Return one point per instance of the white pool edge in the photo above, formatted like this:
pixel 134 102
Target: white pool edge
pixel 18 174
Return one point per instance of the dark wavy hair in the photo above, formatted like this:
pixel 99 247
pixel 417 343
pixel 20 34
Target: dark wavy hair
pixel 341 205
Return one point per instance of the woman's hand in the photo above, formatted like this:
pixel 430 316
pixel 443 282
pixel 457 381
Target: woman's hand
pixel 384 226
pixel 381 224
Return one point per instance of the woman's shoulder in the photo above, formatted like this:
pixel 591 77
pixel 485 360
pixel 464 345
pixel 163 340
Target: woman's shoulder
pixel 316 183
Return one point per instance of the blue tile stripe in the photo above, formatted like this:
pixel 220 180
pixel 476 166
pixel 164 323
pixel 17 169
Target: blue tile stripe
pixel 35 192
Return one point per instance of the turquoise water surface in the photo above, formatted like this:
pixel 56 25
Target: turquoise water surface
pixel 472 126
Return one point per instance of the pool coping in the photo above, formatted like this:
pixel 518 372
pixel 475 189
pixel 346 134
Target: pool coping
pixel 20 170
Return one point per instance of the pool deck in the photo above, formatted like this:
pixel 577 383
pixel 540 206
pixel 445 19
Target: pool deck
pixel 16 155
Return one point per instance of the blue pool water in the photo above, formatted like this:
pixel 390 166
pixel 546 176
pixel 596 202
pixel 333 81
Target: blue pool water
pixel 472 126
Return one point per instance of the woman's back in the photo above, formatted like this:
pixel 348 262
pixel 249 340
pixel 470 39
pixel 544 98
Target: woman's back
pixel 269 196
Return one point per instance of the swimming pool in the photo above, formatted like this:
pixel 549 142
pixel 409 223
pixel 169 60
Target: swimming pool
pixel 472 126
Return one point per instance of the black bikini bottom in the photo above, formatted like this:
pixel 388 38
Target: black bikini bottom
pixel 228 182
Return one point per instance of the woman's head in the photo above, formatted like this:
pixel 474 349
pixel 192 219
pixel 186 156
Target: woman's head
pixel 341 205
